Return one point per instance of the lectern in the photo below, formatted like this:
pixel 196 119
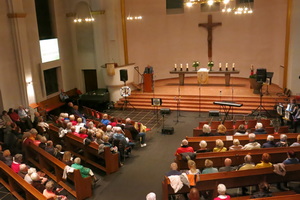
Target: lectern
pixel 148 81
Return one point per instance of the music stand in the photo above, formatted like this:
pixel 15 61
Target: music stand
pixel 156 102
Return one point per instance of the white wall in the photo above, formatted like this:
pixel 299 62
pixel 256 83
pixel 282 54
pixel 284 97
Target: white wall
pixel 294 59
pixel 162 40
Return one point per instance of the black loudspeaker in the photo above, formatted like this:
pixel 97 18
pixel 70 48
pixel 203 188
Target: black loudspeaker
pixel 214 113
pixel 168 130
pixel 165 111
pixel 123 75
pixel 261 75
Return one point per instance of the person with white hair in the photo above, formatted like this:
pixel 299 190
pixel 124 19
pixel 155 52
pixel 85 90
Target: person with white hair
pixel 184 148
pixel 136 135
pixel 236 145
pixel 27 177
pixel 37 182
pixel 241 131
pixel 151 196
pixel 297 143
pixel 109 131
pixel 252 143
pixel 174 170
pixel 23 170
pixel 202 145
pixel 283 141
pixel 259 129
pixel 270 142
pixel 206 130
pixel 222 193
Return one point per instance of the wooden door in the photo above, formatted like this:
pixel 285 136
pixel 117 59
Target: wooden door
pixel 90 80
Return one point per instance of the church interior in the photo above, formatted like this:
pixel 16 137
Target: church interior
pixel 159 71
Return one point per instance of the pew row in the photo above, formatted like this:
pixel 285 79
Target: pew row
pixel 211 140
pixel 54 168
pixel 275 195
pixel 278 155
pixel 16 185
pixel 234 179
pixel 106 161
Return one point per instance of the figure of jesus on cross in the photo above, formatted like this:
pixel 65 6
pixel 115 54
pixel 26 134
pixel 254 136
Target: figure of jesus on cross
pixel 209 26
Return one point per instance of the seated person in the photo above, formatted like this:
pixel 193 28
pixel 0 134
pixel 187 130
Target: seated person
pixel 38 182
pixel 174 170
pixel 202 145
pixel 265 161
pixel 221 130
pixel 72 120
pixel 283 141
pixel 105 120
pixel 248 163
pixel 184 148
pixel 151 196
pixel 49 193
pixel 79 114
pixel 194 194
pixel 42 124
pixel 236 145
pixel 79 124
pixel 219 146
pixel 23 170
pixel 259 129
pixel 296 144
pixel 113 121
pixel 84 171
pixel 222 193
pixel 134 133
pixel 264 191
pixel 291 159
pixel 270 142
pixel 7 158
pixel 209 167
pixel 241 131
pixel 63 96
pixel 109 131
pixel 17 161
pixel 252 143
pixel 192 168
pixel 227 166
pixel 67 158
pixel 49 147
pixel 206 131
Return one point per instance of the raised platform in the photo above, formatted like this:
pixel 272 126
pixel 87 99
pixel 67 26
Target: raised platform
pixel 192 97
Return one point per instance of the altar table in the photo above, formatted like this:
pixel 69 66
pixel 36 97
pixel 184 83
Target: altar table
pixel 226 73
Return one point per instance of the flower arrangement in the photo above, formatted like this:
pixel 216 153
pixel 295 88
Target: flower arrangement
pixel 210 65
pixel 196 64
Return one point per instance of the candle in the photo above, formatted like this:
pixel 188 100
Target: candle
pixel 187 67
pixel 220 66
pixel 175 67
pixel 180 67
pixel 232 66
pixel 226 66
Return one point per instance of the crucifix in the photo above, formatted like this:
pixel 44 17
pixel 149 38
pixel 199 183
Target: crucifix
pixel 209 26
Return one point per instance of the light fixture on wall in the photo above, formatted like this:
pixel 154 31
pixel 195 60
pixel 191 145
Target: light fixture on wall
pixel 130 18
pixel 227 6
pixel 83 17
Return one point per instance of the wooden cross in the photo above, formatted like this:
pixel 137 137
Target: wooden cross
pixel 209 26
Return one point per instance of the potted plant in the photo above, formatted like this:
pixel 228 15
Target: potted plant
pixel 210 65
pixel 196 64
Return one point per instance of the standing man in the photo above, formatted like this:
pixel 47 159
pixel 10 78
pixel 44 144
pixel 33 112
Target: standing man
pixel 148 70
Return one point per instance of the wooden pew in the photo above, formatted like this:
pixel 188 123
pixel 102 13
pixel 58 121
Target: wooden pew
pixel 106 161
pixel 280 194
pixel 16 185
pixel 54 168
pixel 235 179
pixel 55 102
pixel 278 155
pixel 109 162
pixel 211 140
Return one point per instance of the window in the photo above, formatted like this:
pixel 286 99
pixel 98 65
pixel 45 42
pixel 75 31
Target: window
pixel 174 6
pixel 51 80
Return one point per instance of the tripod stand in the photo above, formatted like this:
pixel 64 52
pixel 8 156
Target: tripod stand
pixel 125 92
pixel 260 107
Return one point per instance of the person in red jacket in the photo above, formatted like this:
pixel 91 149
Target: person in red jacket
pixel 184 148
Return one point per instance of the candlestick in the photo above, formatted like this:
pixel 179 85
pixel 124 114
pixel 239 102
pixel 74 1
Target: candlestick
pixel 226 66
pixel 175 67
pixel 233 67
pixel 187 67
pixel 180 67
pixel 220 66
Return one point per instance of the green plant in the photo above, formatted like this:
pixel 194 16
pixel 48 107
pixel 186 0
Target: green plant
pixel 253 76
pixel 196 64
pixel 210 64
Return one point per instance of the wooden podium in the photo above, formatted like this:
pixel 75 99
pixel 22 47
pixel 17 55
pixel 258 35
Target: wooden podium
pixel 148 79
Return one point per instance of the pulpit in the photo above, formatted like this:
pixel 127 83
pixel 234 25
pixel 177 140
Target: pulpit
pixel 148 82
